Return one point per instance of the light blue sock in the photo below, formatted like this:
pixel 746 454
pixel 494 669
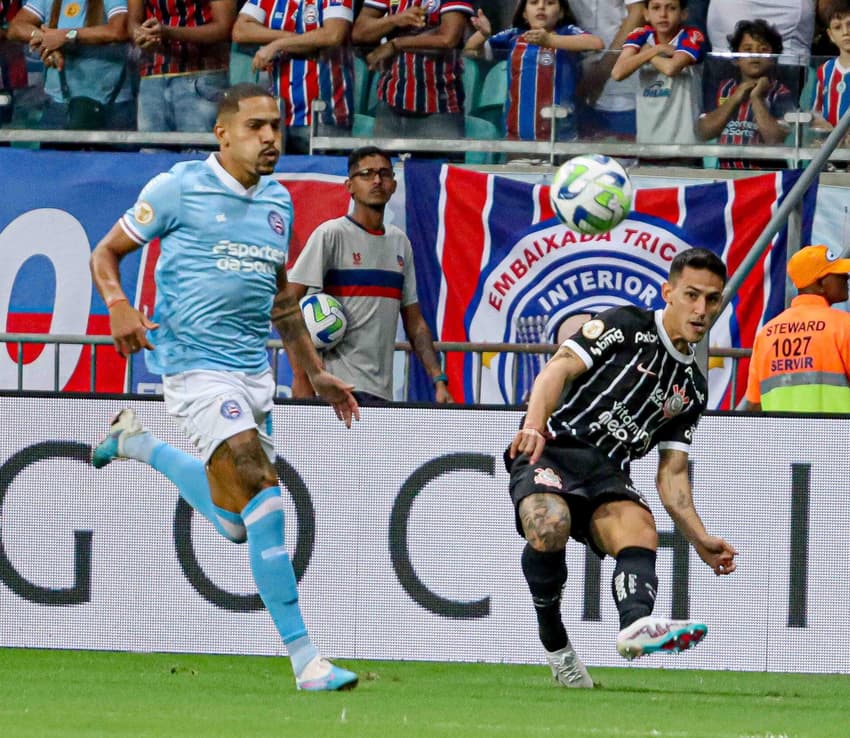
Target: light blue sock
pixel 190 478
pixel 274 575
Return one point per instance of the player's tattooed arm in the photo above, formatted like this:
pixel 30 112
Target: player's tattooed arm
pixel 674 488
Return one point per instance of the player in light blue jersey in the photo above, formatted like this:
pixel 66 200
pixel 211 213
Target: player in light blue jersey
pixel 224 228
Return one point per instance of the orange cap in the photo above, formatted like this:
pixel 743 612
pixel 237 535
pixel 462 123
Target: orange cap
pixel 811 263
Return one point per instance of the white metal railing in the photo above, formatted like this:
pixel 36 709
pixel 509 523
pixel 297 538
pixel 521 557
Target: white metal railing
pixel 542 350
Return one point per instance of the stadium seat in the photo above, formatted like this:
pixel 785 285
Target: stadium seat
pixel 472 81
pixel 494 92
pixel 365 87
pixel 478 128
pixel 363 125
pixel 241 57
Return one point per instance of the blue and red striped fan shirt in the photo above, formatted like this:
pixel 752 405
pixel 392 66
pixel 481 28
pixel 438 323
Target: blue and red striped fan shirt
pixel 423 82
pixel 832 98
pixel 537 77
pixel 743 129
pixel 298 81
pixel 180 57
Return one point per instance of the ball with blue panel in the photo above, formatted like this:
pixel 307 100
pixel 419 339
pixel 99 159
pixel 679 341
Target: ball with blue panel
pixel 591 193
pixel 325 318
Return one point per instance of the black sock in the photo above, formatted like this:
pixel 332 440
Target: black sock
pixel 634 584
pixel 546 573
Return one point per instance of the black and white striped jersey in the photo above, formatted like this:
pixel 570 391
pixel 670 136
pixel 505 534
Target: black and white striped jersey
pixel 639 390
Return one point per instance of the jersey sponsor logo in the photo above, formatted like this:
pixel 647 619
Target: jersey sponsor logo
pixel 618 423
pixel 647 337
pixel 143 212
pixel 276 222
pixel 592 329
pixel 547 477
pixel 608 339
pixel 231 409
pixel 356 258
pixel 657 89
pixel 246 257
pixel 643 370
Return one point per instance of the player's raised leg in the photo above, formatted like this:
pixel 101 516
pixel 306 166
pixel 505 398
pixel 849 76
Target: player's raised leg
pixel 128 439
pixel 635 583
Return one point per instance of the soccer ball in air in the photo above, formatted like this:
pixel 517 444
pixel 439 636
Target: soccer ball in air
pixel 591 193
pixel 325 318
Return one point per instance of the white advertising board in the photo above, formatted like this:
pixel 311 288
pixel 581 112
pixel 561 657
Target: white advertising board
pixel 402 532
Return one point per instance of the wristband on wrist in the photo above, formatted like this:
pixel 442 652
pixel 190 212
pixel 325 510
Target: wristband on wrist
pixel 440 378
pixel 114 301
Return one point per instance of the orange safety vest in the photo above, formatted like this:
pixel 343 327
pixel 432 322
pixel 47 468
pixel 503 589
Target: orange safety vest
pixel 801 359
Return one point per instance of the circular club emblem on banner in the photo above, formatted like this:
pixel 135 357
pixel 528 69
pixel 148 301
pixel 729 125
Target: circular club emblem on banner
pixel 276 223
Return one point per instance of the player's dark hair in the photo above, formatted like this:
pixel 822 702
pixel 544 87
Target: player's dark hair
pixel 358 155
pixel 520 22
pixel 758 29
pixel 228 101
pixel 697 258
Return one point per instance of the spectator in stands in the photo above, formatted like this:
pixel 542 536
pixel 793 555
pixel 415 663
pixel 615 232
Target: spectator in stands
pixel 13 69
pixel 87 81
pixel 420 91
pixel 794 19
pixel 831 96
pixel 670 85
pixel 606 108
pixel 537 77
pixel 801 358
pixel 185 46
pixel 307 49
pixel 751 107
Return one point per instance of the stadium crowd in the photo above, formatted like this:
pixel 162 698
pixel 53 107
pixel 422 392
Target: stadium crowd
pixel 654 71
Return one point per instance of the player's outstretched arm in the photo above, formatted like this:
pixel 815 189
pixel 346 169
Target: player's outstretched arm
pixel 563 367
pixel 674 488
pixel 289 321
pixel 128 325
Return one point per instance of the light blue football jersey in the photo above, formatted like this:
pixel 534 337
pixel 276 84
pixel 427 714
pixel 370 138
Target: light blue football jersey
pixel 221 247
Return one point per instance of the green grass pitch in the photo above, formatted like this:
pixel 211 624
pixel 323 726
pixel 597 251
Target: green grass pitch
pixel 91 693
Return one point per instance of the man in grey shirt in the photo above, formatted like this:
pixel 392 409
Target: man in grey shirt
pixel 368 267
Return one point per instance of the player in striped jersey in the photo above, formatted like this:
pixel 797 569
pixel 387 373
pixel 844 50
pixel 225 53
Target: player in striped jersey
pixel 750 110
pixel 831 94
pixel 420 91
pixel 625 383
pixel 306 45
pixel 543 62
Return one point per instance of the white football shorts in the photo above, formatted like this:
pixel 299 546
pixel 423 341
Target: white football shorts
pixel 212 406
